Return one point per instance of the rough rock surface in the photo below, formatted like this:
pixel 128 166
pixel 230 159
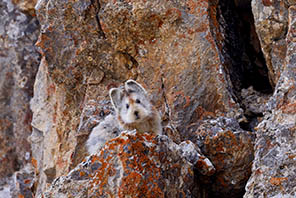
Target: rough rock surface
pixel 19 62
pixel 131 165
pixel 72 64
pixel 171 43
pixel 198 58
pixel 274 167
pixel 230 149
pixel 87 48
pixel 271 21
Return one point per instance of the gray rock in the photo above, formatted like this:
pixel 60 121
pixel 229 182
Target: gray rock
pixel 274 167
pixel 19 62
pixel 132 165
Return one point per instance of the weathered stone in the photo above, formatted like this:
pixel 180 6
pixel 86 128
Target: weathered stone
pixel 180 51
pixel 71 65
pixel 273 171
pixel 18 66
pixel 26 6
pixel 88 48
pixel 230 149
pixel 193 154
pixel 20 184
pixel 131 165
pixel 173 44
pixel 271 21
pixel 254 101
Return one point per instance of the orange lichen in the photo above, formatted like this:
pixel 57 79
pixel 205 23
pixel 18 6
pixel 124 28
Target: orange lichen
pixel 267 2
pixel 221 181
pixel 292 156
pixel 27 181
pixel 135 163
pixel 202 113
pixel 277 181
pixel 34 162
pixel 192 4
pixel 81 174
pixel 289 108
pixel 187 98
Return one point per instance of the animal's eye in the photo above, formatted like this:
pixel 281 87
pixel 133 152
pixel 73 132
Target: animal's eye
pixel 127 106
pixel 138 101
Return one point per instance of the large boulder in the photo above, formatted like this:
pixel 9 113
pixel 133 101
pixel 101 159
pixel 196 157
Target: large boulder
pixel 88 47
pixel 19 62
pixel 131 165
pixel 273 172
pixel 230 149
pixel 193 56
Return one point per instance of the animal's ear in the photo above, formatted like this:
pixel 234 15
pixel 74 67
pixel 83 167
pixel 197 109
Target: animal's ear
pixel 133 86
pixel 116 97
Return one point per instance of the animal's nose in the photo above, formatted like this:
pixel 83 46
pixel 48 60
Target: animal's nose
pixel 136 114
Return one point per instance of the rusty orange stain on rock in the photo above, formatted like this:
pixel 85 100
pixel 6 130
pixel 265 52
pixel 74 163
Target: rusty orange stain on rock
pixel 139 163
pixel 277 181
pixel 51 89
pixel 34 162
pixel 289 108
pixel 20 196
pixel 187 98
pixel 221 181
pixel 81 174
pixel 61 163
pixel 173 11
pixel 292 156
pixel 193 4
pixel 202 113
pixel 27 181
pixel 202 28
pixel 267 2
pixel 258 171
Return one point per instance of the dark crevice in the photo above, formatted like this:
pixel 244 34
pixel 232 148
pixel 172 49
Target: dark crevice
pixel 167 115
pixel 102 34
pixel 232 26
pixel 251 122
pixel 244 60
pixel 133 62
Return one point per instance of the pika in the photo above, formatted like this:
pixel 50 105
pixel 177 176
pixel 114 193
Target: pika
pixel 134 109
pixel 103 132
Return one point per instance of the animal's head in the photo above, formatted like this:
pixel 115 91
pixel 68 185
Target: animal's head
pixel 131 102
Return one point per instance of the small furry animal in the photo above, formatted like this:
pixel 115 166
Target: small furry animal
pixel 103 132
pixel 134 109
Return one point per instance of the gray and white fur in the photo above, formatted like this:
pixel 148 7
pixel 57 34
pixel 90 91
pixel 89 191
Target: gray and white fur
pixel 133 111
pixel 103 132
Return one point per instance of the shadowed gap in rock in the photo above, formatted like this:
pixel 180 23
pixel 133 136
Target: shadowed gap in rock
pixel 243 60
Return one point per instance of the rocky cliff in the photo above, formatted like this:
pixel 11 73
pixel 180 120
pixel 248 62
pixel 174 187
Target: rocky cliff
pixel 222 74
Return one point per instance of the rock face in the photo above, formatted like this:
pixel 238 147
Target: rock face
pixel 202 63
pixel 230 149
pixel 174 49
pixel 88 47
pixel 19 62
pixel 131 165
pixel 273 172
pixel 271 21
